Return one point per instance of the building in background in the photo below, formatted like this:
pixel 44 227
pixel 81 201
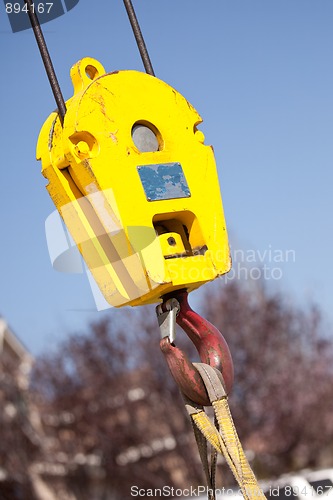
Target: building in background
pixel 94 442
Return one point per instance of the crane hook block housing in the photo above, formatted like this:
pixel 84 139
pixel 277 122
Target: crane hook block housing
pixel 135 185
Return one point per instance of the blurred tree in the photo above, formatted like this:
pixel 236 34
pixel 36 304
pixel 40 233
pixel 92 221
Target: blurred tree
pixel 113 410
pixel 114 417
pixel 282 399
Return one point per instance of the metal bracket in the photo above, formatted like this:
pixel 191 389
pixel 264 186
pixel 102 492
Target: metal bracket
pixel 167 318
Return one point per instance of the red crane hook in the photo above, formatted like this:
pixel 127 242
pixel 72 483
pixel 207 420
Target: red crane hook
pixel 209 342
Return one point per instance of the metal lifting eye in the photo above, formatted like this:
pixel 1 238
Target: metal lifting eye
pixel 144 138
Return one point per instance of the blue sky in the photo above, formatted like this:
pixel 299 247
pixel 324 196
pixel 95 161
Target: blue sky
pixel 260 74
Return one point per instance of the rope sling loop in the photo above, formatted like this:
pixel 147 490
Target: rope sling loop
pixel 222 436
pixel 206 384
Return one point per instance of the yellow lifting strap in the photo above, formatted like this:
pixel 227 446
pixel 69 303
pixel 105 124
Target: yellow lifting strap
pixel 223 437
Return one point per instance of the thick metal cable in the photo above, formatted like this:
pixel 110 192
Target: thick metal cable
pixel 47 61
pixel 138 37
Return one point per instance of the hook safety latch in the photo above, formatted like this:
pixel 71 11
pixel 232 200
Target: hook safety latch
pixel 208 340
pixel 166 316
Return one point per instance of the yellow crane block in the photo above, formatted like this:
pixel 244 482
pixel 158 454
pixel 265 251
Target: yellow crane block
pixel 135 184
